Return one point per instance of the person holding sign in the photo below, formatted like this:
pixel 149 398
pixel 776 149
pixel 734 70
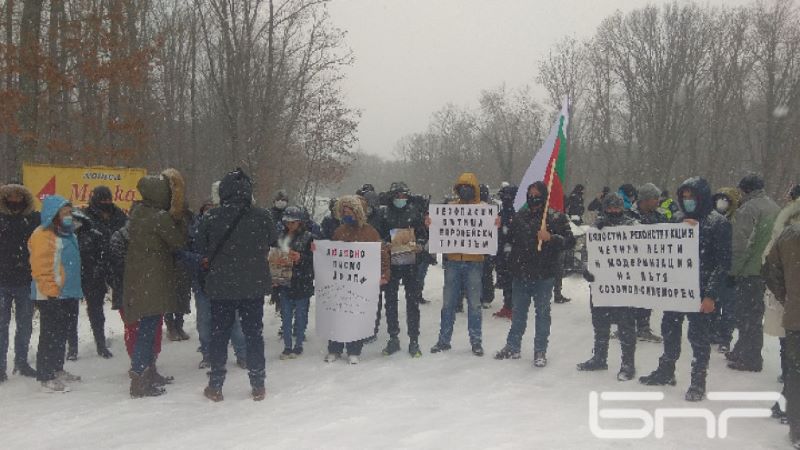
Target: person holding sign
pixel 354 228
pixel 462 273
pixel 404 228
pixel 697 208
pixel 538 235
pixel 613 214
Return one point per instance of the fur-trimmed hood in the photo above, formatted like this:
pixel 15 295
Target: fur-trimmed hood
pixel 9 189
pixel 354 202
pixel 177 189
pixel 789 215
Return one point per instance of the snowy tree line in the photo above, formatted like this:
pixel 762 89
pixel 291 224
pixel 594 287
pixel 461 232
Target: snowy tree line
pixel 658 94
pixel 203 85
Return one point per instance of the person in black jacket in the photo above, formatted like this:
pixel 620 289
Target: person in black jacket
pixel 17 222
pixel 296 297
pixel 694 199
pixel 279 205
pixel 613 215
pixel 506 195
pixel 597 203
pixel 329 222
pixel 533 270
pixel 234 239
pixel 106 218
pixel 574 203
pixel 402 216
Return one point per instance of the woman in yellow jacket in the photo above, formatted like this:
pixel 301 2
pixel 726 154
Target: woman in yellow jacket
pixel 56 288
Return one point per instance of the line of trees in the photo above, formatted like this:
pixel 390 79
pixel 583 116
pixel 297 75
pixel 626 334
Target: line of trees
pixel 202 85
pixel 657 94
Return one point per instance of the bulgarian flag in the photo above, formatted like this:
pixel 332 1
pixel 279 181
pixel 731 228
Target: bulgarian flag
pixel 549 165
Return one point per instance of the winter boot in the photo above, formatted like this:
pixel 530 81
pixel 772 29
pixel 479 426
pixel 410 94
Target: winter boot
pixel 24 369
pixel 392 347
pixel 647 335
pixel 507 353
pixel 626 373
pixel 215 395
pixel 172 333
pixel 72 354
pixel 440 348
pixel 67 377
pixel 241 362
pixel 413 348
pixel 259 394
pixel 662 376
pixel 744 366
pixel 539 359
pixel 353 359
pixel 332 357
pixel 160 380
pixel 54 385
pixel 3 376
pixel 477 349
pixel 142 387
pixel 777 412
pixel 560 299
pixel 592 364
pixel 181 334
pixel 504 313
pixel 103 351
pixel 697 390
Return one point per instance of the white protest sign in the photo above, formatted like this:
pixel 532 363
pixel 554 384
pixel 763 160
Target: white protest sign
pixel 468 229
pixel 346 287
pixel 646 266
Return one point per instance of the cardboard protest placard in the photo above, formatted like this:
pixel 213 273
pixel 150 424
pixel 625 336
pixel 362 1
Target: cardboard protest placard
pixel 646 266
pixel 280 267
pixel 468 229
pixel 347 285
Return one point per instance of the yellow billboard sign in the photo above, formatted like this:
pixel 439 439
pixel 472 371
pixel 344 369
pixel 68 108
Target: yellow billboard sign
pixel 76 183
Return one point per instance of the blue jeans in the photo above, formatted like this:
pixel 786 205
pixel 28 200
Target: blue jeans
pixel 294 318
pixel 21 297
pixel 466 277
pixel 522 291
pixel 203 306
pixel 143 356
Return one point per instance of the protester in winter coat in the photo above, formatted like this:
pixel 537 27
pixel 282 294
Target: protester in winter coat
pixel 330 222
pixel 752 229
pixel 424 259
pixel 647 211
pixel 403 217
pixel 533 270
pixel 462 274
pixel 774 310
pixel 295 240
pixel 597 203
pixel 56 271
pixel 782 273
pixel 202 302
pixel 506 195
pixel 602 317
pixel 668 206
pixel 116 260
pixel 629 195
pixel 694 198
pixel 157 230
pixel 726 202
pixel 106 218
pixel 234 239
pixel 354 228
pixel 17 222
pixel 90 244
pixel 574 203
pixel 279 205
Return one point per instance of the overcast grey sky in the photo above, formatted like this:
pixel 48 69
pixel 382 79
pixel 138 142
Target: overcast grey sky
pixel 415 56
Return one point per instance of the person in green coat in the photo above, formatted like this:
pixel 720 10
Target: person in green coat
pixel 157 231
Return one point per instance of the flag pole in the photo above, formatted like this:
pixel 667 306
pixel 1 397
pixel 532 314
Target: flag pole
pixel 547 202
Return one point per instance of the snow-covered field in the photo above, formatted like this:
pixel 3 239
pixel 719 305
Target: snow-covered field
pixel 445 401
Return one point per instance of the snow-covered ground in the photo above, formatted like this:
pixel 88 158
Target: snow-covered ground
pixel 451 400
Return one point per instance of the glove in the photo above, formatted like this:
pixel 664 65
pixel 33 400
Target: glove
pixel 600 225
pixel 588 276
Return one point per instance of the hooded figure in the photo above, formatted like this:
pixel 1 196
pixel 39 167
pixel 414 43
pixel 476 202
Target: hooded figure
pixel 156 232
pixel 574 203
pixel 629 195
pixel 507 194
pixel 279 205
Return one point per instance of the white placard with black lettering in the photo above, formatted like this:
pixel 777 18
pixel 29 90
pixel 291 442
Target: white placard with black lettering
pixel 468 229
pixel 346 287
pixel 646 266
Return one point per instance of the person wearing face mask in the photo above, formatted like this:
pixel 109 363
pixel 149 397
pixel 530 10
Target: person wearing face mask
pixel 106 218
pixel 55 262
pixel 613 215
pixel 752 229
pixel 17 222
pixel 403 217
pixel 506 195
pixel 533 270
pixel 355 228
pixel 726 202
pixel 463 275
pixel 279 205
pixel 694 199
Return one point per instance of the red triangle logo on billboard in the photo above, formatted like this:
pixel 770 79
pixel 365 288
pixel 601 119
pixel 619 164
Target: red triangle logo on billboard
pixel 48 189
